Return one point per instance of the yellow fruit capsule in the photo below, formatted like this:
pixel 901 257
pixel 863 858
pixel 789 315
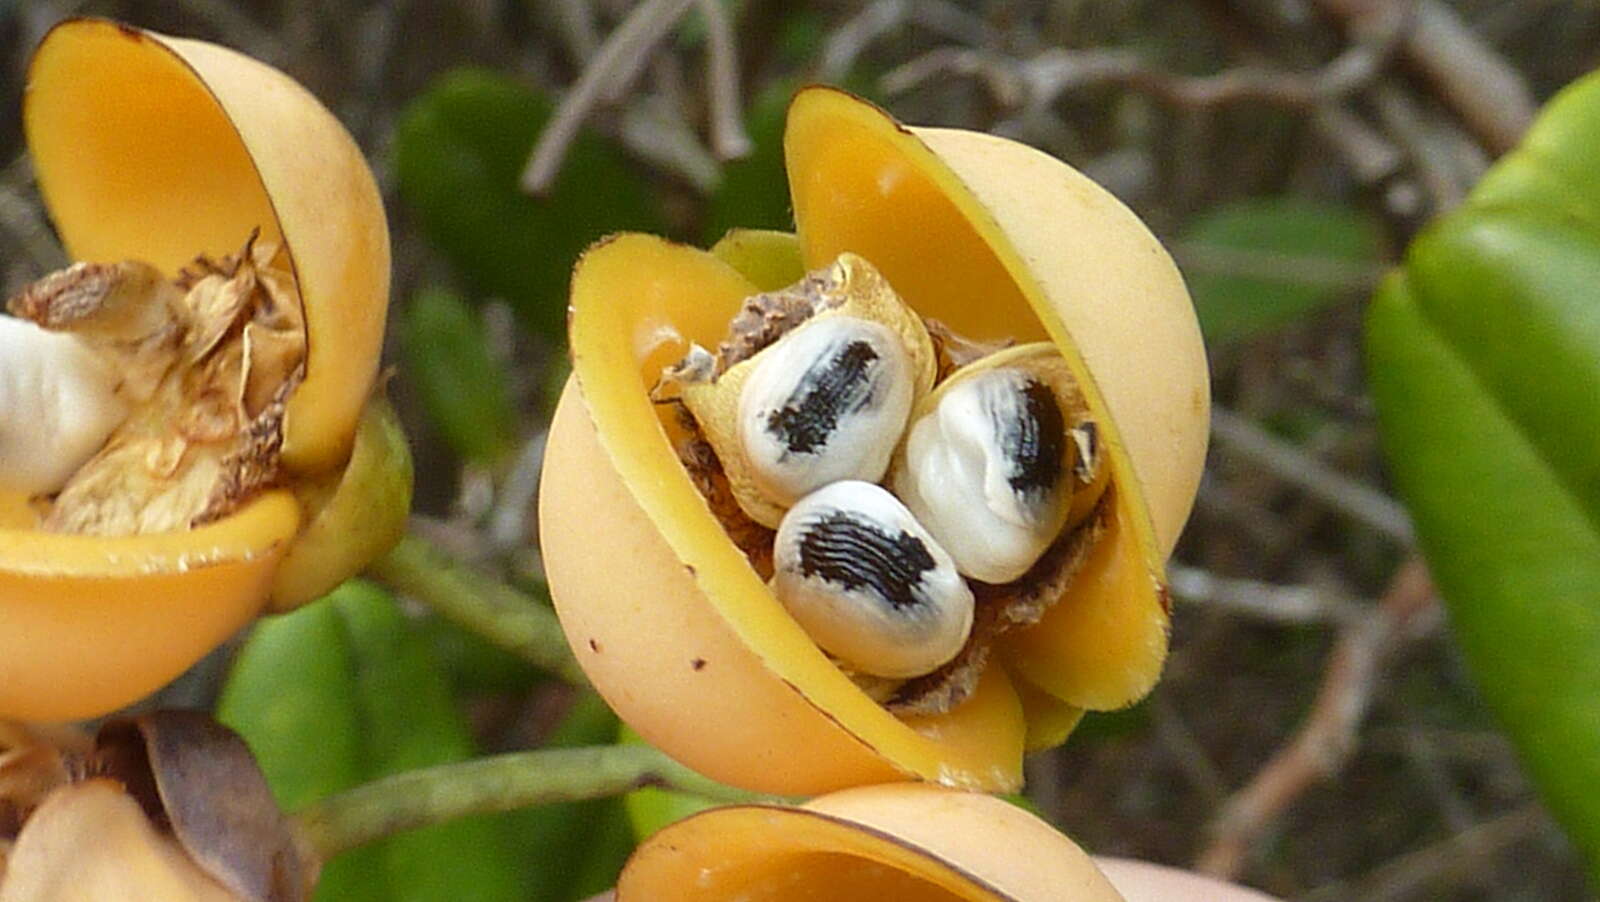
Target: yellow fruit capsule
pixel 163 150
pixel 667 608
pixel 902 842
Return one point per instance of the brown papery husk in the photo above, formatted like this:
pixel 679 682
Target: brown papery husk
pixel 208 359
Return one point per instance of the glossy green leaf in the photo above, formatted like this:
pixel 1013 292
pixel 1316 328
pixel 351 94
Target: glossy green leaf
pixel 459 152
pixel 1554 168
pixel 1247 263
pixel 343 691
pixel 464 389
pixel 1515 298
pixel 1512 550
pixel 1484 361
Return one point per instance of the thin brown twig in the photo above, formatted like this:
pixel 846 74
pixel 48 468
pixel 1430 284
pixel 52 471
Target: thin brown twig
pixel 574 20
pixel 1329 735
pixel 1041 79
pixel 1267 601
pixel 1403 118
pixel 728 138
pixel 1406 876
pixel 619 61
pixel 653 130
pixel 1285 461
pixel 1467 74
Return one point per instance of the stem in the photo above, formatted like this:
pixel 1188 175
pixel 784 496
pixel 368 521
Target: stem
pixel 607 76
pixel 506 617
pixel 434 795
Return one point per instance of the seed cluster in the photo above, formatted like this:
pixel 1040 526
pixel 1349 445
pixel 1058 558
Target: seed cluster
pixel 987 468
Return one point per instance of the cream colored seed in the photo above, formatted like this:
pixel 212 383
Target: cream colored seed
pixel 986 471
pixel 869 584
pixel 58 405
pixel 827 402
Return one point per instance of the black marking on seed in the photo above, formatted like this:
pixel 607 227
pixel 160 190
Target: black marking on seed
pixel 1032 438
pixel 847 552
pixel 830 390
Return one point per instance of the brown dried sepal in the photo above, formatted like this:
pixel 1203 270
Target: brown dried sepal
pixel 197 781
pixel 34 761
pixel 700 460
pixel 168 802
pixel 209 360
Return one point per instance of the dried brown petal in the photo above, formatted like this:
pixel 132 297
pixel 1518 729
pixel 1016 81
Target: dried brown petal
pixel 207 435
pixel 197 778
pixel 955 350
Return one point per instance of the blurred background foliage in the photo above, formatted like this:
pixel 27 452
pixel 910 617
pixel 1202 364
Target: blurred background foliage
pixel 1316 734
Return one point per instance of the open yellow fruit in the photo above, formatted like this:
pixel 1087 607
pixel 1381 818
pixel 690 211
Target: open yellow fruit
pixel 161 149
pixel 996 240
pixel 898 841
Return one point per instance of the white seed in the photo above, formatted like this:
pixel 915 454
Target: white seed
pixel 57 406
pixel 869 584
pixel 827 402
pixel 985 471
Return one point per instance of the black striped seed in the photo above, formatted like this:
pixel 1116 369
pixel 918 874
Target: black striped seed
pixel 831 389
pixel 845 551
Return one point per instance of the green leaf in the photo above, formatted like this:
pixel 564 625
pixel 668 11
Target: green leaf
pixel 463 387
pixel 475 666
pixel 1515 299
pixel 410 721
pixel 1513 551
pixel 459 152
pixel 1259 265
pixel 1554 168
pixel 291 695
pixel 343 691
pixel 1484 360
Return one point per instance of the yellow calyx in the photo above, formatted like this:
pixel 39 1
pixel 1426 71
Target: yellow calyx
pixel 911 843
pixel 163 151
pixel 1009 246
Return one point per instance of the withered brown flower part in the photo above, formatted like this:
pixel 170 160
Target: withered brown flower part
pixel 208 361
pixel 168 805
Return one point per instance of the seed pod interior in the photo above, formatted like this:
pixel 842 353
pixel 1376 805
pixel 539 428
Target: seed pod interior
pixel 158 149
pixel 1008 245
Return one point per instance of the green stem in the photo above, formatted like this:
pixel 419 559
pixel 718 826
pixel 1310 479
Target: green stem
pixel 434 795
pixel 506 617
